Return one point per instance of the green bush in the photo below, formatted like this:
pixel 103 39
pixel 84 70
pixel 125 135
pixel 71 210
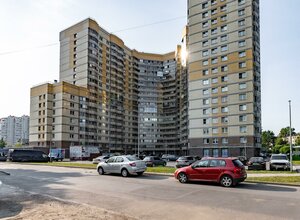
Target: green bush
pixel 284 150
pixel 296 157
pixel 276 149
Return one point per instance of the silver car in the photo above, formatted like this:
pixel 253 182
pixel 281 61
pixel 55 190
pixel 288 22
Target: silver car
pixel 125 165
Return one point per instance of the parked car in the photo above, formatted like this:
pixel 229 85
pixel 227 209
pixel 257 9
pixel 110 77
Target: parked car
pixel 226 171
pixel 124 165
pixel 55 157
pixel 243 159
pixel 3 155
pixel 279 161
pixel 256 163
pixel 152 161
pixel 100 159
pixel 169 157
pixel 27 156
pixel 184 161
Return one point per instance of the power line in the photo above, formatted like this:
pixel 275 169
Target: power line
pixel 150 24
pixel 121 30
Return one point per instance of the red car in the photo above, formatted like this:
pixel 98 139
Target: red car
pixel 226 171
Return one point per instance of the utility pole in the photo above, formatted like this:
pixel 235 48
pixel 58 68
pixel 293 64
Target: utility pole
pixel 291 146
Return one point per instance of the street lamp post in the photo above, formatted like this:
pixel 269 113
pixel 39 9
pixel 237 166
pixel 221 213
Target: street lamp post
pixel 291 147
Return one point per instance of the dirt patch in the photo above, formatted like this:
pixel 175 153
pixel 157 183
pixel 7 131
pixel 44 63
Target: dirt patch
pixel 21 205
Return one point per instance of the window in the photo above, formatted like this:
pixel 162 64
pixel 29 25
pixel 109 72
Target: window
pixel 205 24
pixel 214 40
pixel 71 135
pixel 242 64
pixel 224 58
pixel 224 28
pixel 205 53
pixel 242 107
pixel 224 38
pixel 215 120
pixel 242 97
pixel 214 60
pixel 205 111
pixel 205 15
pixel 53 112
pixel 205 91
pixel 224 68
pixel 242 43
pixel 224 130
pixel 205 72
pixel 204 5
pixel 206 153
pixel 206 82
pixel 224 109
pixel 224 78
pixel 242 75
pixel 242 33
pixel 224 154
pixel 205 34
pixel 75 42
pixel 224 18
pixel 241 12
pixel 224 89
pixel 242 54
pixel 242 22
pixel 214 21
pixel 205 140
pixel 243 118
pixel 214 70
pixel 224 120
pixel 205 121
pixel 224 140
pixel 205 101
pixel 214 31
pixel 215 152
pixel 72 112
pixel 214 11
pixel 205 131
pixel 214 100
pixel 215 131
pixel 205 63
pixel 243 140
pixel 224 99
pixel 224 48
pixel 205 43
pixel 213 2
pixel 215 141
pixel 223 8
pixel 242 85
pixel 119 160
pixel 214 90
pixel 241 2
pixel 214 50
pixel 71 128
pixel 215 110
pixel 214 80
pixel 243 129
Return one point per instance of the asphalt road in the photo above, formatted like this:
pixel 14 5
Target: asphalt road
pixel 155 197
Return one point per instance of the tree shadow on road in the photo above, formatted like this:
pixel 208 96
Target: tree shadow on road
pixel 265 187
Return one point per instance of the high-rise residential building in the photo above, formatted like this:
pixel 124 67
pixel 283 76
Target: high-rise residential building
pixel 202 99
pixel 15 130
pixel 224 77
pixel 111 96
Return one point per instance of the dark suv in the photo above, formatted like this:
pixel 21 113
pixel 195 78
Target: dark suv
pixel 226 171
pixel 27 156
pixel 152 161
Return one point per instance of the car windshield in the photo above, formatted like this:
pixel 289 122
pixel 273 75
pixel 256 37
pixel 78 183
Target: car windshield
pixel 279 157
pixel 132 158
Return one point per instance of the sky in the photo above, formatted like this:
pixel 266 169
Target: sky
pixel 28 26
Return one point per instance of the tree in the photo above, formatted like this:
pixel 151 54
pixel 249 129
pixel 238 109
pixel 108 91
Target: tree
pixel 268 138
pixel 2 143
pixel 297 141
pixel 276 149
pixel 285 150
pixel 285 132
pixel 280 141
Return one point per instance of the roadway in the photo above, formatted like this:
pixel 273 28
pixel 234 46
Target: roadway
pixel 155 196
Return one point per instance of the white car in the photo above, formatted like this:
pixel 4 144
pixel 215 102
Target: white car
pixel 124 165
pixel 100 159
pixel 279 161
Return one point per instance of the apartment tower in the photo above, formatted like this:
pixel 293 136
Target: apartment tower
pixel 224 92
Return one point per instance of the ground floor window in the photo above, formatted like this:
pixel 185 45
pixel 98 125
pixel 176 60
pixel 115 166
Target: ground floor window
pixel 224 152
pixel 206 152
pixel 215 152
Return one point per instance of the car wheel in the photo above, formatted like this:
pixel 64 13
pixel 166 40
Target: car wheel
pixel 124 172
pixel 226 181
pixel 164 164
pixel 153 165
pixel 182 177
pixel 100 171
pixel 140 173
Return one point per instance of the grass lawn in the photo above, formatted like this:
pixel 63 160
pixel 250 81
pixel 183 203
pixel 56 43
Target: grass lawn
pixel 66 164
pixel 161 169
pixel 268 171
pixel 296 162
pixel 277 179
